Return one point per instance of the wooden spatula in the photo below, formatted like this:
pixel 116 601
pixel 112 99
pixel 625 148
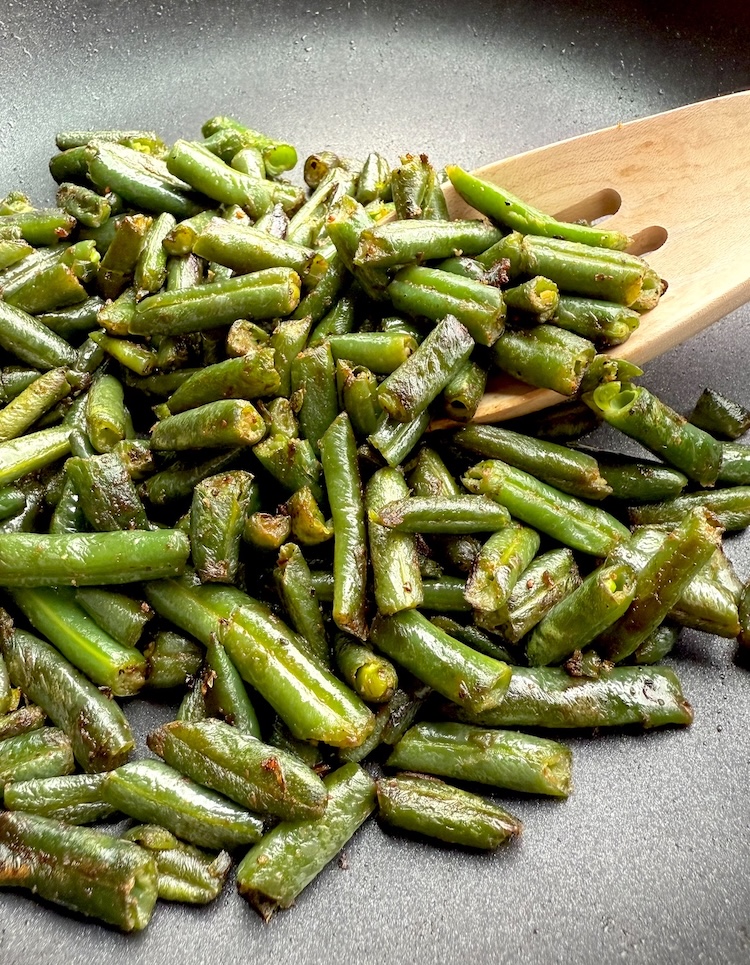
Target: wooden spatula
pixel 683 180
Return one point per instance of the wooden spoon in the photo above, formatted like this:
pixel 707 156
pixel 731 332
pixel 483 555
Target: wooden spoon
pixel 684 180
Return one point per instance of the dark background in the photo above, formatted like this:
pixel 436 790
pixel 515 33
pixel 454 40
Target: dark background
pixel 649 860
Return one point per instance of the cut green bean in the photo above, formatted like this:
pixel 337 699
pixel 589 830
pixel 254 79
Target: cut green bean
pixel 171 659
pixel 582 615
pixel 443 514
pixel 273 873
pixel 500 563
pixel 397 580
pixel 454 670
pixel 731 507
pixel 82 869
pixel 69 699
pixel 369 675
pixel 151 791
pixel 217 516
pixel 292 578
pixel 215 425
pixel 72 798
pixel 640 414
pixel 501 758
pixel 720 416
pixel 404 242
pixel 271 293
pixel 565 518
pixel 574 472
pixel 91 559
pixel 438 810
pixel 261 778
pixel 434 294
pixel 56 614
pixel 339 459
pixel 39 753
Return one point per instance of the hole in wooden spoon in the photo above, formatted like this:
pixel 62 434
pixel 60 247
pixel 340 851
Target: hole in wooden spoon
pixel 603 204
pixel 647 240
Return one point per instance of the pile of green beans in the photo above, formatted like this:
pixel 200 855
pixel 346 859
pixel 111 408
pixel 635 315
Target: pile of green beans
pixel 218 489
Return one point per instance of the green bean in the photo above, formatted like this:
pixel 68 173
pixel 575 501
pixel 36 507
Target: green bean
pixel 143 181
pixel 245 249
pixel 288 340
pixel 270 293
pixel 409 390
pixel 504 207
pixel 21 720
pixel 661 582
pixel 395 440
pixel 404 242
pixel 107 495
pixel 171 659
pixel 217 515
pixel 369 675
pixel 31 452
pixel 605 323
pixel 442 514
pixel 434 293
pixel 550 697
pixel 545 356
pixel 91 559
pixel 358 388
pixel 731 507
pixel 657 645
pixel 570 470
pixel 274 872
pixel 108 663
pixel 340 320
pixel 346 222
pixel 314 377
pixel 277 155
pixel 198 167
pixel 720 416
pixel 454 670
pixel 313 703
pixel 82 869
pixel 185 873
pixel 147 142
pixel 292 462
pixel 464 392
pixel 39 753
pixel 227 696
pixel 292 578
pixel 151 791
pixel 565 518
pixel 374 180
pixel 180 478
pixel 69 700
pixel 502 758
pixel 397 580
pixel 215 425
pixel 445 595
pixel 640 414
pixel 381 352
pixel 500 563
pixel 308 525
pixel 261 778
pixel 435 809
pixel 31 341
pixel 27 407
pixel 267 531
pixel 40 226
pixel 343 485
pixel 193 705
pixel 574 622
pixel 72 798
pixel 151 268
pixel 473 637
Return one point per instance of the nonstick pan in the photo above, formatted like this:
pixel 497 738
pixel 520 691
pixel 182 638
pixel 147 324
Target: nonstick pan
pixel 649 860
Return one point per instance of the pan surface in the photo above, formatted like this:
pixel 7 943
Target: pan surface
pixel 648 861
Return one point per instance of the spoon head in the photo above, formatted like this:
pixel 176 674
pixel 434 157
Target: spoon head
pixel 675 182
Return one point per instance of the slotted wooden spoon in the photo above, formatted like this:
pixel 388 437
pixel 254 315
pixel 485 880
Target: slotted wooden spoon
pixel 683 178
